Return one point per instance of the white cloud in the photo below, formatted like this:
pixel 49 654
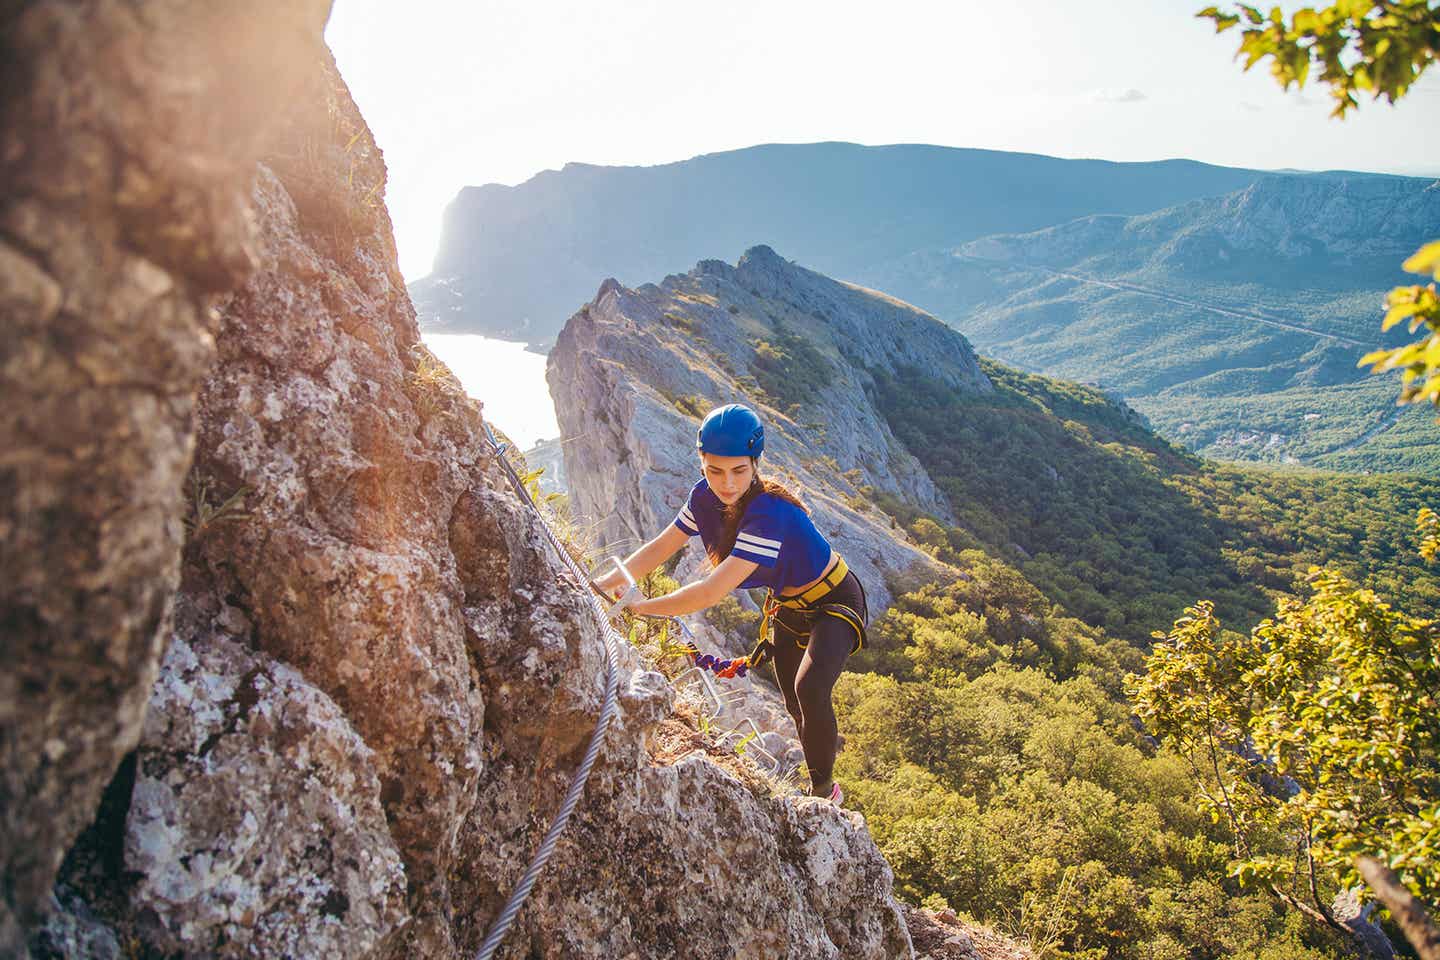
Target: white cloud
pixel 1128 95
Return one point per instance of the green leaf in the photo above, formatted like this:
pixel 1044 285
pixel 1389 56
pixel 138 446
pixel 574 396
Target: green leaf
pixel 1425 260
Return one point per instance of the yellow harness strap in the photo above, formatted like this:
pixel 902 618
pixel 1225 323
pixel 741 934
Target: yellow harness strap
pixel 848 614
pixel 805 601
pixel 829 582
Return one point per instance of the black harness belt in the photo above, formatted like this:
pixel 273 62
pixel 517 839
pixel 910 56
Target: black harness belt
pixel 806 604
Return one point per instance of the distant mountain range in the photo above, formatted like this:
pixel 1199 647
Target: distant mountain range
pixel 1229 306
pixel 517 261
pixel 1234 323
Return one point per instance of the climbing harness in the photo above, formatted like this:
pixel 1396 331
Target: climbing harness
pixel 502 923
pixel 806 603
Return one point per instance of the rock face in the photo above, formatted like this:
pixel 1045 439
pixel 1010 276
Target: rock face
pixel 125 208
pixel 634 370
pixel 1366 223
pixel 219 860
pixel 377 678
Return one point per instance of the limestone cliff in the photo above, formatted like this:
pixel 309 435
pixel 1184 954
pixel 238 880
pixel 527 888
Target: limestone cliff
pixel 633 370
pixel 368 680
pixel 1361 223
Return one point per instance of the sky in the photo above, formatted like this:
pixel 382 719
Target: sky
pixel 495 91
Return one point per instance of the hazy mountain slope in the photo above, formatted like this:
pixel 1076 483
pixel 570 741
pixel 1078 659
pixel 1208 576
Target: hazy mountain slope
pixel 516 261
pixel 1234 323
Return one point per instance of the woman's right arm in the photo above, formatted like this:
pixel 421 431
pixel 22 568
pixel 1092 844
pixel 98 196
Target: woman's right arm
pixel 647 558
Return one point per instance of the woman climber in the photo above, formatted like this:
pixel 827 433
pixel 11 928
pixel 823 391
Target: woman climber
pixel 758 534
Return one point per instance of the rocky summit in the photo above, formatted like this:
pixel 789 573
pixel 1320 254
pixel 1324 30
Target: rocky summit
pixel 634 370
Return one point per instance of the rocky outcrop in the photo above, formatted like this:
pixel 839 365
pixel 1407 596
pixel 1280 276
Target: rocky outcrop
pixel 230 731
pixel 632 372
pixel 376 679
pixel 1362 222
pixel 127 149
pixel 939 935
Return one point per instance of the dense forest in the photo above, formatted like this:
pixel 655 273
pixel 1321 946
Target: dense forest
pixel 990 742
pixel 1123 529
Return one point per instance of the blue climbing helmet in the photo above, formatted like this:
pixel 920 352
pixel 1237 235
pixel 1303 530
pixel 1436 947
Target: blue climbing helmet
pixel 731 431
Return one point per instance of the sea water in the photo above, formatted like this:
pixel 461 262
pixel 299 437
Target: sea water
pixel 508 379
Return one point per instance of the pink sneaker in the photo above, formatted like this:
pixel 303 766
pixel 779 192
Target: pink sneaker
pixel 837 796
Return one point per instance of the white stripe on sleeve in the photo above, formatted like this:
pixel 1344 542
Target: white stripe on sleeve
pixel 758 541
pixel 754 550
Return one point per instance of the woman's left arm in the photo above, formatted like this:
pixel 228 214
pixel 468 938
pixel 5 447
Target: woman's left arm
pixel 700 594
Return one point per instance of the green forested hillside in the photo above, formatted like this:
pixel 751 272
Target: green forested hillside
pixel 1124 529
pixel 989 741
pixel 1023 797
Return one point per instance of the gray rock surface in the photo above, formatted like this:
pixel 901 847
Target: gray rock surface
pixel 255 823
pixel 632 371
pixel 124 209
pixel 380 679
pixel 71 929
pixel 748 873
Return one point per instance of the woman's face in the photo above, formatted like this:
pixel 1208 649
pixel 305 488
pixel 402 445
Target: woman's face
pixel 728 477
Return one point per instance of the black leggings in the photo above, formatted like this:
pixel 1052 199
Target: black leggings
pixel 807 674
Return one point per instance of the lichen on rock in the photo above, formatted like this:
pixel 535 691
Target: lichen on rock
pixel 255 822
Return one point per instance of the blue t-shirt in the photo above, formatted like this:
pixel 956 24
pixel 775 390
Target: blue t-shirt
pixel 774 533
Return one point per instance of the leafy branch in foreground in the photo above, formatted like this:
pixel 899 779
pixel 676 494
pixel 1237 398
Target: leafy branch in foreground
pixel 1380 48
pixel 1419 361
pixel 1317 738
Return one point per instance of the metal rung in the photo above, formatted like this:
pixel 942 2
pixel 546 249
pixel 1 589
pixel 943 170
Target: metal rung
pixel 706 687
pixel 754 750
pixel 754 728
pixel 754 744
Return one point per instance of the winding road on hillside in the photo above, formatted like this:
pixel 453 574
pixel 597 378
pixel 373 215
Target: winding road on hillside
pixel 1126 287
pixel 1386 422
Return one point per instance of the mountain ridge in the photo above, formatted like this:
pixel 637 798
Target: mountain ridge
pixel 836 206
pixel 632 370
